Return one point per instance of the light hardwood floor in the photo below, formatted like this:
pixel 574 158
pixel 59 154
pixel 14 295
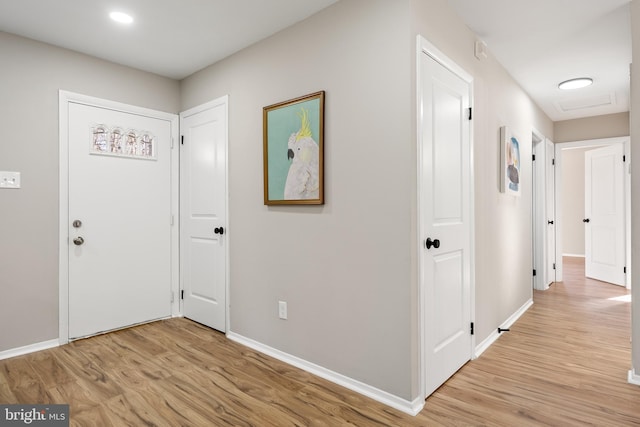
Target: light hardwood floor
pixel 564 363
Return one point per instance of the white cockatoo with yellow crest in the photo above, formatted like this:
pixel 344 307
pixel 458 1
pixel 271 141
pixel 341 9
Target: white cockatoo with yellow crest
pixel 303 177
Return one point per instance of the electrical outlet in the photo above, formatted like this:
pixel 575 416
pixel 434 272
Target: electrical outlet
pixel 9 179
pixel 282 309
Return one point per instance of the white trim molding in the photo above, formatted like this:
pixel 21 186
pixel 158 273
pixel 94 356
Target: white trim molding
pixel 425 47
pixel 31 348
pixel 408 407
pixel 506 325
pixel 64 99
pixel 634 378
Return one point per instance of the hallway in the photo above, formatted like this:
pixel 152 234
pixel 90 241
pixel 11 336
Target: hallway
pixel 564 363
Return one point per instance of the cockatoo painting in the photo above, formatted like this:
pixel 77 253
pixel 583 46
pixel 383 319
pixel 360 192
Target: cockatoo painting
pixel 303 152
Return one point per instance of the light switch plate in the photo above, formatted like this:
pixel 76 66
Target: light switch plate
pixel 9 179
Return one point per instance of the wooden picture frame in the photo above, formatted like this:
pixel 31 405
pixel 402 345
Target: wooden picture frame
pixel 510 163
pixel 293 151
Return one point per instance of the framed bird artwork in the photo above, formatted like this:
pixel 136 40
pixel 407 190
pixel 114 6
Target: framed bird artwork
pixel 293 147
pixel 510 162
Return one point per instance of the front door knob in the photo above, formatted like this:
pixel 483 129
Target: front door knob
pixel 435 243
pixel 218 230
pixel 78 241
pixel 586 220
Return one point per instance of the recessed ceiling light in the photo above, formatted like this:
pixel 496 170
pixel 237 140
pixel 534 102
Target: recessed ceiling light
pixel 576 83
pixel 121 17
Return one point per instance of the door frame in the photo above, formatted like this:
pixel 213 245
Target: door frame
pixel 64 99
pixel 223 100
pixel 625 140
pixel 538 142
pixel 539 208
pixel 426 47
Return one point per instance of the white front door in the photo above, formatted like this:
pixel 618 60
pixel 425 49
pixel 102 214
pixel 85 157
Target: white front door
pixel 119 219
pixel 203 189
pixel 550 217
pixel 604 219
pixel 445 220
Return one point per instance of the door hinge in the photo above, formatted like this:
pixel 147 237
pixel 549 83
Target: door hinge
pixel 553 162
pixel 624 158
pixel 182 294
pixel 554 265
pixel 172 143
pixel 182 139
pixel 533 157
pixel 470 113
pixel 534 271
pixel 472 328
pixel 625 270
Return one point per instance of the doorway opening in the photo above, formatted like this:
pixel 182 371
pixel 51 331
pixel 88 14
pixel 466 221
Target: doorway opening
pixel 572 220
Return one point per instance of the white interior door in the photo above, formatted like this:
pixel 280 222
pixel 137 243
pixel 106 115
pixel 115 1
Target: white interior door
pixel 203 190
pixel 445 221
pixel 119 196
pixel 550 217
pixel 605 214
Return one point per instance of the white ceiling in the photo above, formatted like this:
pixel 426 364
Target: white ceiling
pixel 544 42
pixel 540 42
pixel 173 38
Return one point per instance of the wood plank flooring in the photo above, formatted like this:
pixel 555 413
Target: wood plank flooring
pixel 564 363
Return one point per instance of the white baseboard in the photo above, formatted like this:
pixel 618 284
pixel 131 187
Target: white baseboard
pixel 575 255
pixel 480 348
pixel 633 377
pixel 409 407
pixel 31 348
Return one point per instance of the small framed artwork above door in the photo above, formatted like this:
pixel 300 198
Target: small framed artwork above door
pixel 118 216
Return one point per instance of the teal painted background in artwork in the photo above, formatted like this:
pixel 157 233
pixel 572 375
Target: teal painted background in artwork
pixel 281 123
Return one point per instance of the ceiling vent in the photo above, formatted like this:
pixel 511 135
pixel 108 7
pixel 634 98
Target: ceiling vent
pixel 584 103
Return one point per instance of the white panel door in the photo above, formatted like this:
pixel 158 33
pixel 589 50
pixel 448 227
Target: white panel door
pixel 604 219
pixel 119 219
pixel 550 208
pixel 203 213
pixel 445 221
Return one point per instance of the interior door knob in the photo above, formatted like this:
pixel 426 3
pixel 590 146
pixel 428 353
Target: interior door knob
pixel 586 220
pixel 550 222
pixel 435 243
pixel 218 230
pixel 78 241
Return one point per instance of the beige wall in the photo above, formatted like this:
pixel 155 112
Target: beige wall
pixel 30 77
pixel 343 268
pixel 607 126
pixel 348 269
pixel 503 223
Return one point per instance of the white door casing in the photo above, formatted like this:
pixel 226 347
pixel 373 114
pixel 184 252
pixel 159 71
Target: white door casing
pixel 605 244
pixel 204 231
pixel 550 214
pixel 123 271
pixel 445 215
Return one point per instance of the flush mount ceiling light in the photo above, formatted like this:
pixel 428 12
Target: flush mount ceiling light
pixel 576 83
pixel 121 17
